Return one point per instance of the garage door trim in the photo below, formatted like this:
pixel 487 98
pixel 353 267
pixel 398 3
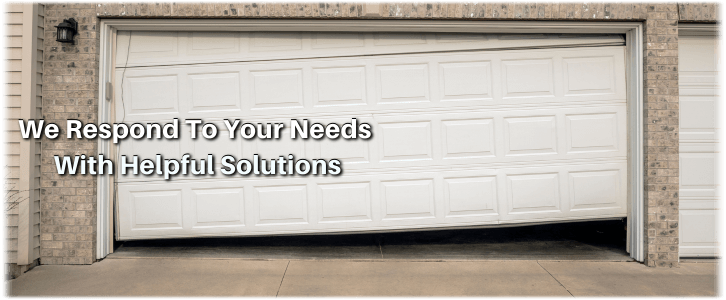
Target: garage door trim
pixel 634 81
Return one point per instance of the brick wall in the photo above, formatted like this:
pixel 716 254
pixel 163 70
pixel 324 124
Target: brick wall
pixel 661 133
pixel 68 209
pixel 70 89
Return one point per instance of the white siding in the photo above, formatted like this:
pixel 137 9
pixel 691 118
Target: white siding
pixel 19 99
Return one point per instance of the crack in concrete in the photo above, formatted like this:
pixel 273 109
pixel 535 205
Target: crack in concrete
pixel 282 279
pixel 553 277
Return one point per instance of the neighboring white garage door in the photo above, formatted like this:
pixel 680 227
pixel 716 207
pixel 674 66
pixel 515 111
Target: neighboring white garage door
pixel 697 61
pixel 467 131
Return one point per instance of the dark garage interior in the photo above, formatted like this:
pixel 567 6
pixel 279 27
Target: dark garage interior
pixel 593 240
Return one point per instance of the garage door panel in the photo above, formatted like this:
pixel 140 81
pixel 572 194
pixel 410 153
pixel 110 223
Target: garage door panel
pixel 212 43
pixel 344 202
pixel 323 86
pixel 350 152
pixel 568 191
pixel 377 201
pixel 466 81
pixel 278 205
pixel 594 132
pixel 487 138
pixel 698 155
pixel 154 48
pixel 402 83
pixel 339 86
pixel 276 89
pixel 599 189
pixel 405 140
pixel 218 207
pixel 460 138
pixel 470 196
pixel 698 174
pixel 408 199
pixel 154 211
pixel 533 193
pixel 218 147
pixel 506 136
pixel 530 135
pixel 327 40
pixel 212 92
pixel 528 78
pixel 698 236
pixel 589 75
pixel 274 148
pixel 152 95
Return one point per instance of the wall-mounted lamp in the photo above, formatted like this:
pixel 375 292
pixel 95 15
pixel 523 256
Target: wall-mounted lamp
pixel 67 30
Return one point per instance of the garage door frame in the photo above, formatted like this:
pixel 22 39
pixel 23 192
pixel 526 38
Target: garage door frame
pixel 634 81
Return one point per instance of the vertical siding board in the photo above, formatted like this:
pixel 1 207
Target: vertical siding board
pixel 14 17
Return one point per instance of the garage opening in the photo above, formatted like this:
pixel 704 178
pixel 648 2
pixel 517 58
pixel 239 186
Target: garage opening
pixel 470 130
pixel 595 240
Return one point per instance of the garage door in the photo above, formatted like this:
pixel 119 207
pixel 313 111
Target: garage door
pixel 697 62
pixel 468 130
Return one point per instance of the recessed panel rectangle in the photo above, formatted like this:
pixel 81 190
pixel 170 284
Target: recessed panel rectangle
pixel 470 196
pixel 205 42
pixel 466 81
pixel 698 170
pixel 698 114
pixel 215 92
pixel 342 202
pixel 533 193
pixel 592 132
pixel 276 89
pixel 218 207
pixel 589 75
pixel 152 94
pixel 339 86
pixel 281 205
pixel 700 226
pixel 275 41
pixel 528 78
pixel 530 135
pixel 406 141
pixel 403 83
pixel 595 190
pixel 408 199
pixel 157 209
pixel 468 138
pixel 326 40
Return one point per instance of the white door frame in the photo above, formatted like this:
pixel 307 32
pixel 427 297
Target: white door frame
pixel 634 76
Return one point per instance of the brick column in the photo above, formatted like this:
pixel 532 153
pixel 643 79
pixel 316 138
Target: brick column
pixel 70 89
pixel 661 134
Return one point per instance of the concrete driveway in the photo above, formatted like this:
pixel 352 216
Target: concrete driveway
pixel 240 277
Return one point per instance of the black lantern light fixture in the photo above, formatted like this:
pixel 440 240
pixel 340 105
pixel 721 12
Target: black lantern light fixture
pixel 67 30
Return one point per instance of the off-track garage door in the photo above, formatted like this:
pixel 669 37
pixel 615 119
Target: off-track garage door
pixel 469 130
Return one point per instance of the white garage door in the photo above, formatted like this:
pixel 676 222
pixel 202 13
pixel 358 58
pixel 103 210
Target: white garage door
pixel 697 62
pixel 469 129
